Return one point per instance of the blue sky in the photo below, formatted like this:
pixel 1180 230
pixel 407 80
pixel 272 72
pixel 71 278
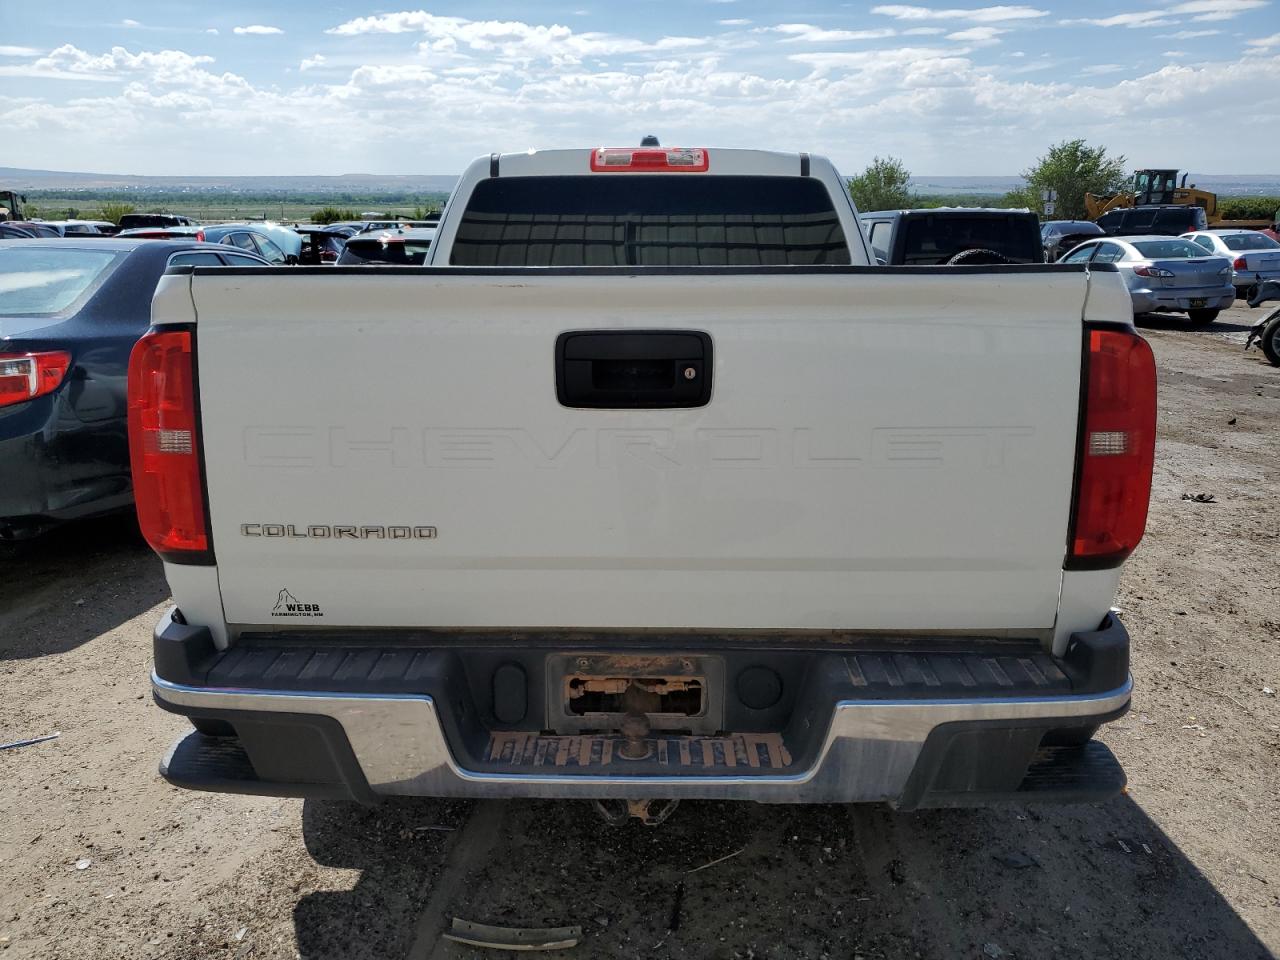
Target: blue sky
pixel 324 88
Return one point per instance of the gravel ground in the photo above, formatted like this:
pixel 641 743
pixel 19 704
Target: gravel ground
pixel 101 859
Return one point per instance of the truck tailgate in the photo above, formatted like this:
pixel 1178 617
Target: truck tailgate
pixel 882 450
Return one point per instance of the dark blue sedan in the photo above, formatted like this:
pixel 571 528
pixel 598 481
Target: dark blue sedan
pixel 70 311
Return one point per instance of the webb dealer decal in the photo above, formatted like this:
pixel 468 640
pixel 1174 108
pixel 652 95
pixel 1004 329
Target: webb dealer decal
pixel 287 605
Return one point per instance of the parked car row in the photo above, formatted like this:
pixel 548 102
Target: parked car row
pixel 1198 272
pixel 1254 256
pixel 380 242
pixel 71 307
pixel 1164 274
pixel 73 303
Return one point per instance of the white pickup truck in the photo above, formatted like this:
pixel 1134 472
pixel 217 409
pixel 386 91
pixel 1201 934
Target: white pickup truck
pixel 649 485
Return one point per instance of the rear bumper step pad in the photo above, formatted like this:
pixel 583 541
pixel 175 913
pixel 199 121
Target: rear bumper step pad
pixel 739 751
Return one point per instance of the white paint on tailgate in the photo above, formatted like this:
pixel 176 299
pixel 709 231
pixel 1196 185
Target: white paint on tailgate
pixel 881 451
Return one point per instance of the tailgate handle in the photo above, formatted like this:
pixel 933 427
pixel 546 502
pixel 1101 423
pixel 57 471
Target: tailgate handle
pixel 633 369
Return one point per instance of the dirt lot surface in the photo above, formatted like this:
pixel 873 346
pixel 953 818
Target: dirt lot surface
pixel 100 859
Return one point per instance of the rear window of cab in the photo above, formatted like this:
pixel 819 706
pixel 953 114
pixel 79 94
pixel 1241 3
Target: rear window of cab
pixel 649 220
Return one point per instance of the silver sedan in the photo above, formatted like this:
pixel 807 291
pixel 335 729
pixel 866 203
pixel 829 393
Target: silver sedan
pixel 1254 256
pixel 1165 274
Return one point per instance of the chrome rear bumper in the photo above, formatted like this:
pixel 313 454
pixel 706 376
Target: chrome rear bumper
pixel 873 750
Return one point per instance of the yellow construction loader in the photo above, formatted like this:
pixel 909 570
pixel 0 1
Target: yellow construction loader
pixel 1162 187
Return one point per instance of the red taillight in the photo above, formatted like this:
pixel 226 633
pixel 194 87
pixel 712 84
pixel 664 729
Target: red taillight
pixel 200 236
pixel 664 159
pixel 1117 449
pixel 163 436
pixel 328 256
pixel 1239 264
pixel 25 376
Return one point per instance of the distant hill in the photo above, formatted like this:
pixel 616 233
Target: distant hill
pixel 17 178
pixel 367 184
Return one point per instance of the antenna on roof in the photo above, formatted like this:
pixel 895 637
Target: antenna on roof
pixel 650 141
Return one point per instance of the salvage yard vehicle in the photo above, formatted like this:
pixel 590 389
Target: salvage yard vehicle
pixel 1167 221
pixel 134 221
pixel 11 205
pixel 251 238
pixel 321 245
pixel 1060 236
pixel 70 312
pixel 1164 274
pixel 1254 256
pixel 1266 332
pixel 25 229
pixel 73 228
pixel 388 247
pixel 163 233
pixel 650 485
pixel 953 235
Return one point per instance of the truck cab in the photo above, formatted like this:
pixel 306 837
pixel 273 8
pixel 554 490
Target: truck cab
pixel 935 237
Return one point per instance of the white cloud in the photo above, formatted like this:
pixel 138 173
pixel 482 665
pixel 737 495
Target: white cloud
pixel 1145 18
pixel 979 15
pixel 1197 9
pixel 130 23
pixel 69 62
pixel 403 22
pixel 940 106
pixel 257 30
pixel 807 32
pixel 508 39
pixel 1264 43
pixel 313 61
pixel 1174 53
pixel 978 36
pixel 1217 9
pixel 1187 34
pixel 8 51
pixel 735 22
pixel 924 32
pixel 212 30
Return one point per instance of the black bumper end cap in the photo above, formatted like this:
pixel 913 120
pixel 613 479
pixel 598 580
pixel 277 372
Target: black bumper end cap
pixel 221 765
pixel 1085 774
pixel 183 653
pixel 1097 661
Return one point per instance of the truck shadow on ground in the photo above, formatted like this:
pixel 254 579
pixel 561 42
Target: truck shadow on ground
pixel 75 583
pixel 1179 322
pixel 798 881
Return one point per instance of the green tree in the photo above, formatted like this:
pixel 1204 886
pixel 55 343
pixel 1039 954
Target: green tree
pixel 113 211
pixel 1023 197
pixel 884 185
pixel 1071 169
pixel 332 215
